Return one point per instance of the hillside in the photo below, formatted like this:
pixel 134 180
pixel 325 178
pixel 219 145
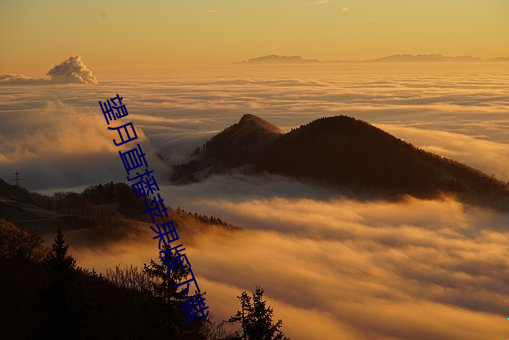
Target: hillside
pixel 111 208
pixel 235 146
pixel 80 304
pixel 354 157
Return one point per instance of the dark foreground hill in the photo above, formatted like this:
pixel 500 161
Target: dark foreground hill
pixel 41 299
pixel 345 153
pixel 105 211
pixel 44 294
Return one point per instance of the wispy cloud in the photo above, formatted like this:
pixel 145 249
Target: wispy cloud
pixel 18 78
pixel 343 263
pixel 180 113
pixel 434 269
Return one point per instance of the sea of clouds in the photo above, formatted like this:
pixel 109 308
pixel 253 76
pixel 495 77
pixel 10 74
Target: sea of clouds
pixel 341 268
pixel 456 112
pixel 337 267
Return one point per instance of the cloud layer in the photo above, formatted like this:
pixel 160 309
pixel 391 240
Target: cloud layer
pixel 459 113
pixel 71 70
pixel 420 269
pixel 340 268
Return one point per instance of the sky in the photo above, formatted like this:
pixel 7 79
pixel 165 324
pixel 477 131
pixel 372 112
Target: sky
pixel 420 269
pixel 135 36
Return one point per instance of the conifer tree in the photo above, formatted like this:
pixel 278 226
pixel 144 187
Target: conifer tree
pixel 255 318
pixel 58 260
pixel 170 298
pixel 163 283
pixel 61 299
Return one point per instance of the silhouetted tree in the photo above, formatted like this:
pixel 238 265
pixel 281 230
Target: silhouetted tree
pixel 61 300
pixel 169 298
pixel 162 283
pixel 58 260
pixel 255 317
pixel 45 295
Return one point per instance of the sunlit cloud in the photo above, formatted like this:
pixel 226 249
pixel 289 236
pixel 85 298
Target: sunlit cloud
pixel 62 144
pixel 383 270
pixel 454 116
pixel 17 78
pixel 71 70
pixel 341 268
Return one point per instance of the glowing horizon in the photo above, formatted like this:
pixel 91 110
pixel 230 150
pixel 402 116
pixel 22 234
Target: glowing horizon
pixel 130 36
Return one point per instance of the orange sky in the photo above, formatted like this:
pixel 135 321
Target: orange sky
pixel 131 35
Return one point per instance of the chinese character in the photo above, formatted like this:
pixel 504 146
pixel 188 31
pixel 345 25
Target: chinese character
pixel 108 109
pixel 157 207
pixel 127 133
pixel 194 308
pixel 145 186
pixel 132 159
pixel 188 282
pixel 167 235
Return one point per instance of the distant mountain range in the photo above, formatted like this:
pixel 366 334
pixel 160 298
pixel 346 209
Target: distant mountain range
pixel 276 59
pixel 345 153
pixel 280 59
pixel 425 58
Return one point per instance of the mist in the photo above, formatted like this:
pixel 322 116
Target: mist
pixel 458 112
pixel 330 265
pixel 338 267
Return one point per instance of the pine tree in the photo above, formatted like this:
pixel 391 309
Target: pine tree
pixel 255 318
pixel 58 260
pixel 241 315
pixel 61 299
pixel 163 283
pixel 170 299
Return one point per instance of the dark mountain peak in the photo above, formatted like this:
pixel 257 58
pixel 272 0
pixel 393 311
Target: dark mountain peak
pixel 248 117
pixel 250 121
pixel 340 132
pixel 341 122
pixel 353 154
pixel 239 143
pixel 349 154
pixel 249 130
